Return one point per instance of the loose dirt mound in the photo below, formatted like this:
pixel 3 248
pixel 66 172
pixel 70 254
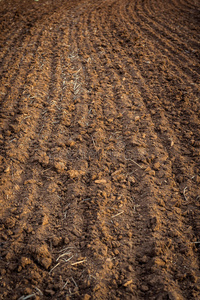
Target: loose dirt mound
pixel 100 147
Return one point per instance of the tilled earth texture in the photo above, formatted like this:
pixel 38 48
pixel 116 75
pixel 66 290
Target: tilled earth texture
pixel 100 147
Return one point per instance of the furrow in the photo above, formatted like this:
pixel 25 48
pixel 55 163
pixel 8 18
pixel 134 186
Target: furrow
pixel 164 79
pixel 97 250
pixel 138 40
pixel 171 113
pixel 183 120
pixel 53 142
pixel 11 39
pixel 182 5
pixel 106 30
pixel 82 188
pixel 164 46
pixel 189 18
pixel 37 185
pixel 19 76
pixel 176 37
pixel 19 167
pixel 15 53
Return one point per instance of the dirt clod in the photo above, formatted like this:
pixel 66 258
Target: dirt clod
pixel 42 255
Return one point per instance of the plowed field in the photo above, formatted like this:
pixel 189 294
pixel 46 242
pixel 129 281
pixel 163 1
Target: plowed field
pixel 100 149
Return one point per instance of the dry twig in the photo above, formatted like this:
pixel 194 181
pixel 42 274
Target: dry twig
pixel 79 262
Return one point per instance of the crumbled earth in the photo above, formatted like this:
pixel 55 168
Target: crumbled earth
pixel 100 149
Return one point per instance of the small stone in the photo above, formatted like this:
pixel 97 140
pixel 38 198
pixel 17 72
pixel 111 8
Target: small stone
pixel 131 179
pixel 86 297
pixel 148 169
pixel 137 118
pixel 102 181
pixel 128 282
pixel 156 166
pixel 75 173
pixel 7 169
pixel 70 143
pixel 116 251
pixel 60 167
pixel 25 261
pixel 56 241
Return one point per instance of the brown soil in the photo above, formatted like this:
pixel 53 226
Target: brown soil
pixel 100 148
